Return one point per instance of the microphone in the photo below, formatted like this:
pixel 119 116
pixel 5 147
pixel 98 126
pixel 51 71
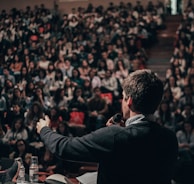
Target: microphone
pixel 117 118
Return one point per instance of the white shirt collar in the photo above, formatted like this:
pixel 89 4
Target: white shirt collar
pixel 134 119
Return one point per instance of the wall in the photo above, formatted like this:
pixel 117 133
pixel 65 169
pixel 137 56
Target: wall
pixel 64 5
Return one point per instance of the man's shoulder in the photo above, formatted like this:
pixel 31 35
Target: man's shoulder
pixel 145 126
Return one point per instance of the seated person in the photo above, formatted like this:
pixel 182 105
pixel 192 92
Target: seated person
pixel 98 110
pixel 50 163
pixel 10 174
pixel 185 138
pixel 23 150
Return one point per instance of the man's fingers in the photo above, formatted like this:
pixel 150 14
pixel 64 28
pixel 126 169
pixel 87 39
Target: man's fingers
pixel 42 123
pixel 47 118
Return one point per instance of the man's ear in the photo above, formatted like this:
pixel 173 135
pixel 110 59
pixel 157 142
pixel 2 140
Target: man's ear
pixel 129 102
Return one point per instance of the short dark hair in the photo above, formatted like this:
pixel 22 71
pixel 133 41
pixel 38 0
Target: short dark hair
pixel 145 89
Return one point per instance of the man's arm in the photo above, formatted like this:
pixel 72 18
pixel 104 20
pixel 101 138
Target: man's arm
pixel 91 147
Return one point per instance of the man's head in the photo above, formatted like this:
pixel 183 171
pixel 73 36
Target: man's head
pixel 97 91
pixel 5 71
pixel 142 93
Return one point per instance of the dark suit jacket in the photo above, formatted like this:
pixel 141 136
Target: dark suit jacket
pixel 142 153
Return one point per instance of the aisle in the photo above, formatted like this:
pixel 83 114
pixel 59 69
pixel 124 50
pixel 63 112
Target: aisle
pixel 161 52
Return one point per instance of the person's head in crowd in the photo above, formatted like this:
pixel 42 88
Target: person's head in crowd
pixel 68 62
pixel 16 109
pixel 87 88
pixel 75 59
pixel 59 74
pixel 24 72
pixel 55 116
pixel 48 44
pixel 187 91
pixel 80 37
pixel 26 59
pixel 187 127
pixel 87 84
pixel 104 55
pixel 81 48
pixel 187 110
pixel 168 96
pixel 26 51
pixel 6 71
pixel 75 73
pixel 21 147
pixel 97 92
pixel 92 73
pixel 90 56
pixel 17 58
pixel 63 129
pixel 17 92
pixel 53 56
pixel 65 16
pixel 169 72
pixel 29 89
pixel 59 95
pixel 164 110
pixel 43 58
pixel 32 67
pixel 136 63
pixel 102 45
pixel 142 93
pixel 172 81
pixel 59 42
pixel 36 109
pixel 68 83
pixel 51 67
pixel 40 84
pixel 9 51
pixel 110 46
pixel 73 11
pixel 78 92
pixel 102 64
pixel 38 91
pixel 84 63
pixel 18 124
pixel 175 62
pixel 74 45
pixel 119 65
pixel 108 74
pixel 41 73
pixel 131 41
pixel 119 52
pixel 8 86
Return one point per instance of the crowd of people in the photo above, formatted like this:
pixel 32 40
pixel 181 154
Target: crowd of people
pixel 71 67
pixel 176 111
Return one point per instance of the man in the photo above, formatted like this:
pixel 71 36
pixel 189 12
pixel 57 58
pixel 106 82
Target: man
pixel 141 152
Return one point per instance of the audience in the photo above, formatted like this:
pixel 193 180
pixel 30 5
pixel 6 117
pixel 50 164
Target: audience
pixel 63 65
